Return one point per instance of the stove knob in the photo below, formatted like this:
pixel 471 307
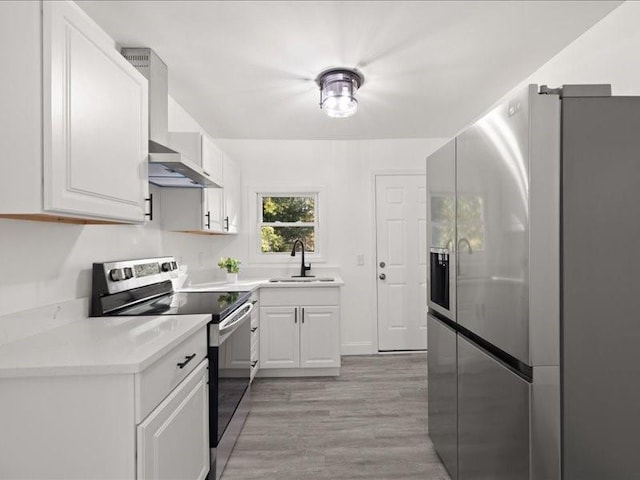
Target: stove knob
pixel 166 267
pixel 116 275
pixel 128 273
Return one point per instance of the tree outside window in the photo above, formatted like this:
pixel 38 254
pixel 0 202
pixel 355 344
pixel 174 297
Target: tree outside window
pixel 285 218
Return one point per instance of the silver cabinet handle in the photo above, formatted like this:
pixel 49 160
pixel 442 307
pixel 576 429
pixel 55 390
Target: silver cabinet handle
pixel 295 316
pixel 303 315
pixel 382 276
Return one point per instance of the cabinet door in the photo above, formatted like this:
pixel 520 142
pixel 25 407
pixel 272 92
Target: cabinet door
pixel 231 195
pixel 212 209
pixel 212 160
pixel 279 337
pixel 173 442
pixel 95 122
pixel 319 337
pixel 255 335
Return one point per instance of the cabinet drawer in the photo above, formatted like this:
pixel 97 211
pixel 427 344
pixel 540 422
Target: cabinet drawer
pixel 156 382
pixel 255 345
pixel 254 370
pixel 294 296
pixel 255 341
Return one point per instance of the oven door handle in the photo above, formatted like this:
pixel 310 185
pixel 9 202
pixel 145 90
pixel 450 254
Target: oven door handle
pixel 229 324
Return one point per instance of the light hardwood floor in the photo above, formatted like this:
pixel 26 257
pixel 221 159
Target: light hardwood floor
pixel 369 423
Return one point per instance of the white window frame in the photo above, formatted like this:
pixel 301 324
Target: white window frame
pixel 256 255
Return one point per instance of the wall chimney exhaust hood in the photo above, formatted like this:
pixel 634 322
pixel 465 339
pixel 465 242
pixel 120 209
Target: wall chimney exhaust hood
pixel 167 168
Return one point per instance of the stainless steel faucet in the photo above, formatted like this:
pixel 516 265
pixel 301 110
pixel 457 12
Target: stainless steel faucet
pixel 303 268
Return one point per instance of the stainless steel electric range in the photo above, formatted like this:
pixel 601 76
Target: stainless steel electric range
pixel 144 287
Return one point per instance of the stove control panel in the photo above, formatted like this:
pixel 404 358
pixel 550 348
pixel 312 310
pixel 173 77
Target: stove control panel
pixel 169 266
pixel 127 274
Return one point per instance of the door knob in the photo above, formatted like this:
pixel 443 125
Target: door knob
pixel 382 276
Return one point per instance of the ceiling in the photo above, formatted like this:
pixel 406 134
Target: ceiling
pixel 246 69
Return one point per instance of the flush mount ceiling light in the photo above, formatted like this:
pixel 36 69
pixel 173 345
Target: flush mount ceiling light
pixel 338 87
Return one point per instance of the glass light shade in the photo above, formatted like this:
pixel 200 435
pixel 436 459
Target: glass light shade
pixel 337 92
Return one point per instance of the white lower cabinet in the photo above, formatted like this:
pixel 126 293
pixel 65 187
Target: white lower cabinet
pixel 153 424
pixel 255 334
pixel 298 337
pixel 319 337
pixel 173 441
pixel 280 338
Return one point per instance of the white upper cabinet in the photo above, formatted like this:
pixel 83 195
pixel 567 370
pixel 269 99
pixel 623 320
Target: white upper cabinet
pixel 74 118
pixel 203 210
pixel 200 149
pixel 193 209
pixel 212 160
pixel 232 195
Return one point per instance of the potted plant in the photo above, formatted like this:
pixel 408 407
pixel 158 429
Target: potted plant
pixel 232 266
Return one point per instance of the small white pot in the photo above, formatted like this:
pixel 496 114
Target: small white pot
pixel 232 277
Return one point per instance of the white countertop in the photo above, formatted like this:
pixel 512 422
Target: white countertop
pixel 118 345
pixel 98 346
pixel 251 284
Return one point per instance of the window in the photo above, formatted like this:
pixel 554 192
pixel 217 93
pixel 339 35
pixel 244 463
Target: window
pixel 285 217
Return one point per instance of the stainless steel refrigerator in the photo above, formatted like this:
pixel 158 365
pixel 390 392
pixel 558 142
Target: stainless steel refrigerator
pixel 533 230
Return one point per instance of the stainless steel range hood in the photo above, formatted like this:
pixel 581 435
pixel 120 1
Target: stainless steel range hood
pixel 167 167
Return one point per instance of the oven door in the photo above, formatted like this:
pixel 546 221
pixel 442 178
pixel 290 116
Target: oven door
pixel 229 368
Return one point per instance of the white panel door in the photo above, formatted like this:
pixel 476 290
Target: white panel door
pixel 401 262
pixel 279 337
pixel 95 121
pixel 319 337
pixel 173 441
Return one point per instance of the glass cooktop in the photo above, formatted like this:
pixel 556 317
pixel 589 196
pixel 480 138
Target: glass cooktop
pixel 218 304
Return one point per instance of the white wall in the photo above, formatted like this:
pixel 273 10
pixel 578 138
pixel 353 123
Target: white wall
pixel 44 263
pixel 606 53
pixel 345 169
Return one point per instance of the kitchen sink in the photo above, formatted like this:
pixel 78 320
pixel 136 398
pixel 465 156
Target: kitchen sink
pixel 301 279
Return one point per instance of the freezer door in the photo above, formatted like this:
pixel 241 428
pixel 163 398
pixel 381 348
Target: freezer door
pixel 441 197
pixel 492 241
pixel 443 393
pixel 493 418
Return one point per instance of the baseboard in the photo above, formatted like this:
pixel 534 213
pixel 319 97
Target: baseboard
pixel 357 348
pixel 298 372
